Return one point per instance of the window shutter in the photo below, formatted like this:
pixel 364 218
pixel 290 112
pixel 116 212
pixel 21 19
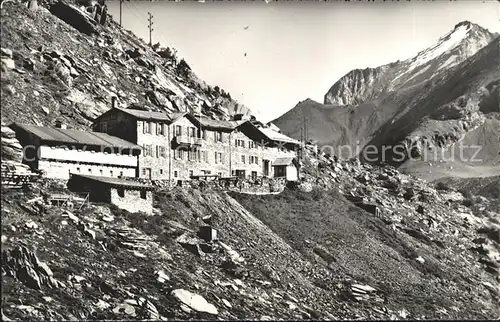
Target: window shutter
pixel 157 151
pixel 143 126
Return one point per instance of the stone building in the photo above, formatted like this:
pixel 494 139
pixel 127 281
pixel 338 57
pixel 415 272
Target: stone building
pixel 287 168
pixel 123 193
pixel 58 152
pixel 181 145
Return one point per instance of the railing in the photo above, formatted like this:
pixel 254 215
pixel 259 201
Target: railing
pixel 186 140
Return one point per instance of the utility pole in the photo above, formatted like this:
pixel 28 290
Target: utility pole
pixel 121 2
pixel 150 26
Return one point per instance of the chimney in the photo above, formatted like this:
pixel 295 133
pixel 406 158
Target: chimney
pixel 113 101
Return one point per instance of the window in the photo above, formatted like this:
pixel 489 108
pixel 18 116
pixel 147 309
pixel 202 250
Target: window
pixel 104 127
pixel 253 160
pixel 192 132
pixel 143 194
pixel 179 154
pixel 204 134
pixel 148 150
pixel 190 173
pixel 219 174
pixel 161 171
pixel 160 130
pixel 218 157
pixel 175 174
pixel 146 127
pixel 218 136
pixel 161 152
pixel 121 192
pixel 242 159
pixel 254 175
pixel 191 155
pixel 178 130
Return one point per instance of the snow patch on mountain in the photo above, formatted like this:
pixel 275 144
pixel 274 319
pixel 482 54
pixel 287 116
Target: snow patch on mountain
pixel 446 43
pixel 451 60
pixel 420 72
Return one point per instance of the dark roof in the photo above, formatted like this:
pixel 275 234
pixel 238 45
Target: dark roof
pixel 75 136
pixel 146 115
pixel 116 182
pixel 276 136
pixel 150 115
pixel 214 124
pixel 283 161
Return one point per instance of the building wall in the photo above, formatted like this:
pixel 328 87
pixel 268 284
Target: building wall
pixel 291 173
pixel 67 154
pixel 132 201
pixel 118 124
pixel 61 170
pixel 158 165
pixel 204 162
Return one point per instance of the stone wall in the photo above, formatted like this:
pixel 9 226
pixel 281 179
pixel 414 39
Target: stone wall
pixel 204 161
pixel 152 159
pixel 132 201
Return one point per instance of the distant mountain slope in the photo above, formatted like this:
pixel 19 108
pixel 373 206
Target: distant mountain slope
pixel 444 97
pixel 51 70
pixel 360 86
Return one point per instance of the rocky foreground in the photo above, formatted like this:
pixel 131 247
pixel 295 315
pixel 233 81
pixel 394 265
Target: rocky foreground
pixel 310 252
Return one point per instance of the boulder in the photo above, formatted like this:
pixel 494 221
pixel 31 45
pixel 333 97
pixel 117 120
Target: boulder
pixel 8 63
pixel 6 52
pixel 189 243
pixel 194 301
pixel 74 17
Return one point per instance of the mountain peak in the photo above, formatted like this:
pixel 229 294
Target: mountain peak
pixel 466 23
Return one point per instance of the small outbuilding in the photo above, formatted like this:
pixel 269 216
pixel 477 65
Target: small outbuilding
pixel 126 194
pixel 287 168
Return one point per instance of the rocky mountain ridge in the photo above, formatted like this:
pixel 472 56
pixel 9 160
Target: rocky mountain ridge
pixel 360 86
pixel 57 67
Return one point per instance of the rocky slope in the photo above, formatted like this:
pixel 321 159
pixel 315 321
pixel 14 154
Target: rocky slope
pixel 444 97
pixel 307 253
pixel 71 68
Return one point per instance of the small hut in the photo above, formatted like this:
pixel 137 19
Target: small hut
pixel 125 194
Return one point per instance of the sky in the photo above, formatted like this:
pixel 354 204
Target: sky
pixel 295 49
